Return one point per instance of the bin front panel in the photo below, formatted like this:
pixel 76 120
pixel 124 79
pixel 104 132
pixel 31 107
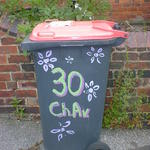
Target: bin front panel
pixel 71 88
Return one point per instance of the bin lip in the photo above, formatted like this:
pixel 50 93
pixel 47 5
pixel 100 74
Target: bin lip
pixel 29 45
pixel 76 30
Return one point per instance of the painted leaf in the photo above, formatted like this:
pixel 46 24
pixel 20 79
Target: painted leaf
pixel 91 83
pixel 40 62
pixel 89 97
pixel 67 124
pixel 86 85
pixel 101 54
pixel 92 59
pixel 55 131
pixel 51 66
pixel 89 53
pixel 60 136
pixel 94 94
pixel 99 50
pixel 98 61
pixel 48 53
pixel 70 132
pixel 66 58
pixel 92 49
pixel 40 55
pixel 45 67
pixel 96 87
pixel 53 59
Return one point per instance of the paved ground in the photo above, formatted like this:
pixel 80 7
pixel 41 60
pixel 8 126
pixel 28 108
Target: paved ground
pixel 16 135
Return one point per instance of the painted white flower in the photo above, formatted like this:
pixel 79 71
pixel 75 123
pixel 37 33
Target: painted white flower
pixel 96 55
pixel 90 90
pixel 47 61
pixel 69 59
pixel 62 130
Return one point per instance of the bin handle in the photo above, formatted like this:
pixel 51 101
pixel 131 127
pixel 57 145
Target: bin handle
pixel 46 34
pixel 117 33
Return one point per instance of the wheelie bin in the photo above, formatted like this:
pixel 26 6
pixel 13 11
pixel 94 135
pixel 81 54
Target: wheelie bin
pixel 72 62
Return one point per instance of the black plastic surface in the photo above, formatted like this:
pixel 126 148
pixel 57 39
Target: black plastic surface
pixel 83 129
pixel 29 45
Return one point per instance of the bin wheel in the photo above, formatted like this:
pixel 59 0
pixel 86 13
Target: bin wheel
pixel 98 146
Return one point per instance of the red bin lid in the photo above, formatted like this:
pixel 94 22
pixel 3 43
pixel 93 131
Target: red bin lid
pixel 76 30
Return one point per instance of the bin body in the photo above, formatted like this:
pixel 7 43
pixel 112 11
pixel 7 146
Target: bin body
pixel 71 81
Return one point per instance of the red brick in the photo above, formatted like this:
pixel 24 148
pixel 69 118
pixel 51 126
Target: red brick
pixel 6 109
pixel 3 59
pixel 108 100
pixel 23 76
pixel 145 91
pixel 7 93
pixel 8 41
pixel 18 59
pixel 122 56
pixel 12 85
pixel 8 49
pixel 116 65
pixel 2 85
pixel 138 65
pixel 27 84
pixel 2 34
pixel 26 93
pixel 4 77
pixel 108 92
pixel 9 68
pixel 1 102
pixel 9 100
pixel 33 110
pixel 145 108
pixel 145 56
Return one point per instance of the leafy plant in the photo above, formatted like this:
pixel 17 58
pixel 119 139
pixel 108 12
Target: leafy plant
pixel 34 11
pixel 19 111
pixel 124 110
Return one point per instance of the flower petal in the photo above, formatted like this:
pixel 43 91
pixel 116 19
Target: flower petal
pixel 53 59
pixel 94 94
pixel 40 55
pixel 70 132
pixel 51 66
pixel 45 67
pixel 92 59
pixel 92 49
pixel 101 55
pixel 86 85
pixel 55 131
pixel 96 87
pixel 48 53
pixel 98 61
pixel 40 62
pixel 89 53
pixel 99 50
pixel 60 136
pixel 67 124
pixel 91 83
pixel 89 97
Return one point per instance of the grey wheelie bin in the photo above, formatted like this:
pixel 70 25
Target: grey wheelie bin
pixel 72 62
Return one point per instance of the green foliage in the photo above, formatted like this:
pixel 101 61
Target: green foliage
pixel 35 11
pixel 124 110
pixel 19 111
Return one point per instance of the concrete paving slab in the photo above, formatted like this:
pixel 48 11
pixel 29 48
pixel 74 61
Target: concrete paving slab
pixel 17 135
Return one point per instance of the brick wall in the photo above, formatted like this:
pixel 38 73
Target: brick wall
pixel 17 77
pixel 130 9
